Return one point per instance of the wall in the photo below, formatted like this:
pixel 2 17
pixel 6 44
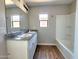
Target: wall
pixel 72 7
pixel 76 41
pixel 46 35
pixel 16 11
pixel 65 25
pixel 65 28
pixel 2 30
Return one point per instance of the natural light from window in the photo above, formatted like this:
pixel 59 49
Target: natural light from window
pixel 43 20
pixel 15 21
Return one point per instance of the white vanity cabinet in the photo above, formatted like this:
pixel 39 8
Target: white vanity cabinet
pixel 22 49
pixel 32 46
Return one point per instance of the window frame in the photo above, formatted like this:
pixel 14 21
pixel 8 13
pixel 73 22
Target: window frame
pixel 12 21
pixel 43 20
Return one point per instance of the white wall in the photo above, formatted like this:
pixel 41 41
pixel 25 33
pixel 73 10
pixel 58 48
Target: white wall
pixel 46 35
pixel 2 30
pixel 65 25
pixel 65 30
pixel 23 17
pixel 72 7
pixel 76 41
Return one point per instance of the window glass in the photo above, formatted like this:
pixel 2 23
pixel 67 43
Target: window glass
pixel 43 16
pixel 43 20
pixel 15 18
pixel 15 21
pixel 16 24
pixel 43 23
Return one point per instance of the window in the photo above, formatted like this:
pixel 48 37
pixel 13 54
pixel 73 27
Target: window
pixel 43 20
pixel 15 21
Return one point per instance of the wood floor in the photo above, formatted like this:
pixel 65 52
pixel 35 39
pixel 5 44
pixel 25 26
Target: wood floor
pixel 48 52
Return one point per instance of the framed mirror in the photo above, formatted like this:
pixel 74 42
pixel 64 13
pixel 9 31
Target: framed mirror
pixel 16 18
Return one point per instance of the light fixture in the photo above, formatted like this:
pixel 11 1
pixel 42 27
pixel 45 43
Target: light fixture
pixel 40 0
pixel 8 2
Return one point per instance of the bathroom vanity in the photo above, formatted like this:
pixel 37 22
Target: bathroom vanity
pixel 23 46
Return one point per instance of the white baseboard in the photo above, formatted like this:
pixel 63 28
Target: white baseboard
pixel 65 52
pixel 61 52
pixel 46 44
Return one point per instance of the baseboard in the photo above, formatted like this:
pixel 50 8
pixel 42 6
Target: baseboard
pixel 61 52
pixel 64 51
pixel 46 44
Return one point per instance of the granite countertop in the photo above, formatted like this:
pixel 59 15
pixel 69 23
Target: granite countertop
pixel 23 37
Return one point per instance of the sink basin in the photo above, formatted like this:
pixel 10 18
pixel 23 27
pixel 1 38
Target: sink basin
pixel 24 35
pixel 27 35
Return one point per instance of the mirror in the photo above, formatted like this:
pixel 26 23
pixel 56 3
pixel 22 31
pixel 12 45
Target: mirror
pixel 16 19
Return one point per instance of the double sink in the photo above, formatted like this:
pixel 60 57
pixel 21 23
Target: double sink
pixel 24 36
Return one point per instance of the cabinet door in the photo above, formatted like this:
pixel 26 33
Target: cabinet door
pixel 32 46
pixel 35 42
pixel 17 49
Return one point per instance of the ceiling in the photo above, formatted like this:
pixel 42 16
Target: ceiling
pixel 47 2
pixel 41 2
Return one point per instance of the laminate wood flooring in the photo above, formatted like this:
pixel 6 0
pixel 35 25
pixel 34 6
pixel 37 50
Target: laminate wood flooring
pixel 47 52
